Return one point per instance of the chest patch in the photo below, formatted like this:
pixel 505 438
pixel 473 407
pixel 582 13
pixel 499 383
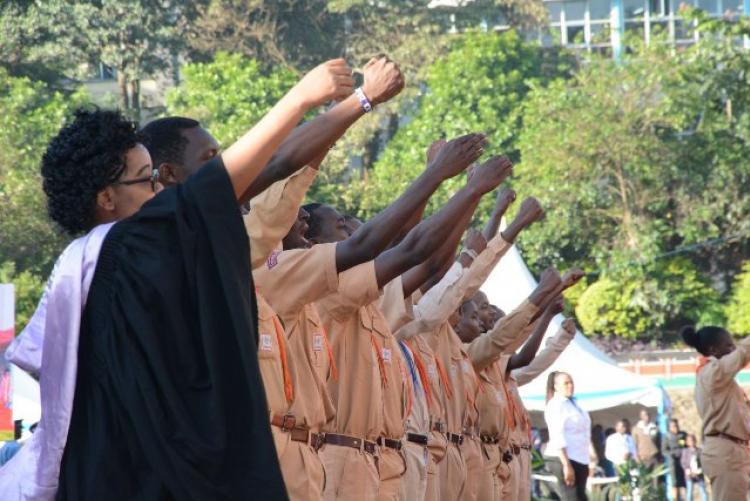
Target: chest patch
pixel 432 371
pixel 466 366
pixel 265 342
pixel 387 355
pixel 317 342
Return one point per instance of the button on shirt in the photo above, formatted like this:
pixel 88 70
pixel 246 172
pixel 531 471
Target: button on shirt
pixel 569 427
pixel 618 446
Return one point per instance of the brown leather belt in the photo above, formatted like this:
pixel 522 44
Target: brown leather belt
pixel 353 442
pixel 527 447
pixel 728 437
pixel 417 438
pixel 489 439
pixel 297 433
pixel 390 443
pixel 456 438
pixel 515 449
pixel 468 434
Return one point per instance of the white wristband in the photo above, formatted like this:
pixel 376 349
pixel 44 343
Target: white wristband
pixel 470 252
pixel 363 101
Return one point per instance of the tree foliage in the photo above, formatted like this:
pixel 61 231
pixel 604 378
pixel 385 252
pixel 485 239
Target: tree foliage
pixel 738 309
pixel 28 290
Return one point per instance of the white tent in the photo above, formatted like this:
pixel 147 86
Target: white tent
pixel 603 388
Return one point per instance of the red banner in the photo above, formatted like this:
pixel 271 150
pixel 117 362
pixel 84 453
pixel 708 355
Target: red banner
pixel 6 414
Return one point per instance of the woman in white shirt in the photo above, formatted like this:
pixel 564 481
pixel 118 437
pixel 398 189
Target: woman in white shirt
pixel 567 453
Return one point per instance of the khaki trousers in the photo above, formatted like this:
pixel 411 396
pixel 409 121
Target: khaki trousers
pixel 300 466
pixel 471 450
pixel 524 479
pixel 437 448
pixel 511 485
pixel 727 465
pixel 350 474
pixel 452 474
pixel 391 468
pixel 489 484
pixel 414 483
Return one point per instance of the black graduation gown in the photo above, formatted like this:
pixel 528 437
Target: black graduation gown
pixel 169 401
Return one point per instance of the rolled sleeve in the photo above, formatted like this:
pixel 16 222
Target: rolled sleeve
pixel 544 359
pixel 358 286
pixel 483 265
pixel 728 366
pixel 291 279
pixel 397 309
pixel 273 213
pixel 485 349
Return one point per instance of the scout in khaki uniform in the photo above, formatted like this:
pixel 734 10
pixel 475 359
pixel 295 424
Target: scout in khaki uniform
pixel 723 407
pixel 521 433
pixel 363 345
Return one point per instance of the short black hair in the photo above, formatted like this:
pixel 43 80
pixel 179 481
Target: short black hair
pixel 701 339
pixel 163 140
pixel 313 229
pixel 86 156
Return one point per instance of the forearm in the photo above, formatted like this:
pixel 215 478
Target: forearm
pixel 306 143
pixel 483 265
pixel 507 331
pixel 247 157
pixel 493 224
pixel 528 352
pixel 425 237
pixel 544 358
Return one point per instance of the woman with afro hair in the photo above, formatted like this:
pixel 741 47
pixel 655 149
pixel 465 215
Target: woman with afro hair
pixel 723 408
pixel 145 339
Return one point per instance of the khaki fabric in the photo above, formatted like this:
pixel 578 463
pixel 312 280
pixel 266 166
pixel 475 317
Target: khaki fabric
pixel 290 281
pixel 432 491
pixel 301 467
pixel 269 358
pixel 489 484
pixel 483 265
pixel 452 475
pixel 726 464
pixel 524 475
pixel 350 474
pixel 510 485
pixel 397 310
pixel 545 358
pixel 721 403
pixel 273 213
pixel 471 450
pixel 391 468
pixel 414 482
pixel 352 323
pixel 492 403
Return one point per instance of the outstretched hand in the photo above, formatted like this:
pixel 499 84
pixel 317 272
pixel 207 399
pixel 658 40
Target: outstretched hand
pixel 457 154
pixel 434 148
pixel 491 174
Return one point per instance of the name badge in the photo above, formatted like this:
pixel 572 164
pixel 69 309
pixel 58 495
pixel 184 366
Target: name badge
pixel 265 342
pixel 387 355
pixel 499 395
pixel 453 368
pixel 317 342
pixel 466 367
pixel 432 370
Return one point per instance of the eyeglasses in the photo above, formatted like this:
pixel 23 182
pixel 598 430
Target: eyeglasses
pixel 153 179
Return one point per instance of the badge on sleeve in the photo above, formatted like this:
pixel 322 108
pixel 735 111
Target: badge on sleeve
pixel 273 259
pixel 432 370
pixel 265 342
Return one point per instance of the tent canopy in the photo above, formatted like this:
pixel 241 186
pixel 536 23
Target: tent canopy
pixel 606 390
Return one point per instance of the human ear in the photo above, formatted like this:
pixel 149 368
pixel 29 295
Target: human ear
pixel 105 199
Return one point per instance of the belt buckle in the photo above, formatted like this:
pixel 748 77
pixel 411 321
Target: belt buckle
pixel 317 440
pixel 288 418
pixel 507 457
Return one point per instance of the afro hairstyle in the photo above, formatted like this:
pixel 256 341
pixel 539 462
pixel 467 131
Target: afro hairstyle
pixel 86 156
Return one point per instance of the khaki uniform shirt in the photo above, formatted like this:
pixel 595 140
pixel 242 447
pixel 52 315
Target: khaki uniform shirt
pixel 493 402
pixel 721 402
pixel 273 213
pixel 269 358
pixel 364 351
pixel 290 281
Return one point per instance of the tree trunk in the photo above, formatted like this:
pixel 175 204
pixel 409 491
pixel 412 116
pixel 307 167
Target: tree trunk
pixel 122 84
pixel 135 97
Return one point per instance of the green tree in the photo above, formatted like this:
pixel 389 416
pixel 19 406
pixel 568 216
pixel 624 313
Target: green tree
pixel 28 290
pixel 30 113
pixel 228 95
pixel 738 309
pixel 480 86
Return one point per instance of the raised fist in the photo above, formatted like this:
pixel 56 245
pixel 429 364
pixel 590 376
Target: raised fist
pixel 491 173
pixel 457 154
pixel 475 241
pixel 569 326
pixel 572 277
pixel 383 80
pixel 433 149
pixel 505 197
pixel 530 211
pixel 331 80
pixel 550 280
pixel 556 306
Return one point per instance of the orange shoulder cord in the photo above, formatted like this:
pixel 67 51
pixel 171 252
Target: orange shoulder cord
pixel 422 374
pixel 510 403
pixel 281 339
pixel 444 378
pixel 381 362
pixel 331 361
pixel 702 362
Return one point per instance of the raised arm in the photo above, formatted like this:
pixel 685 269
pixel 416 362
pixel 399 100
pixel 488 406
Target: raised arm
pixel 433 231
pixel 374 236
pixel 505 197
pixel 247 157
pixel 545 358
pixel 382 81
pixel 528 352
